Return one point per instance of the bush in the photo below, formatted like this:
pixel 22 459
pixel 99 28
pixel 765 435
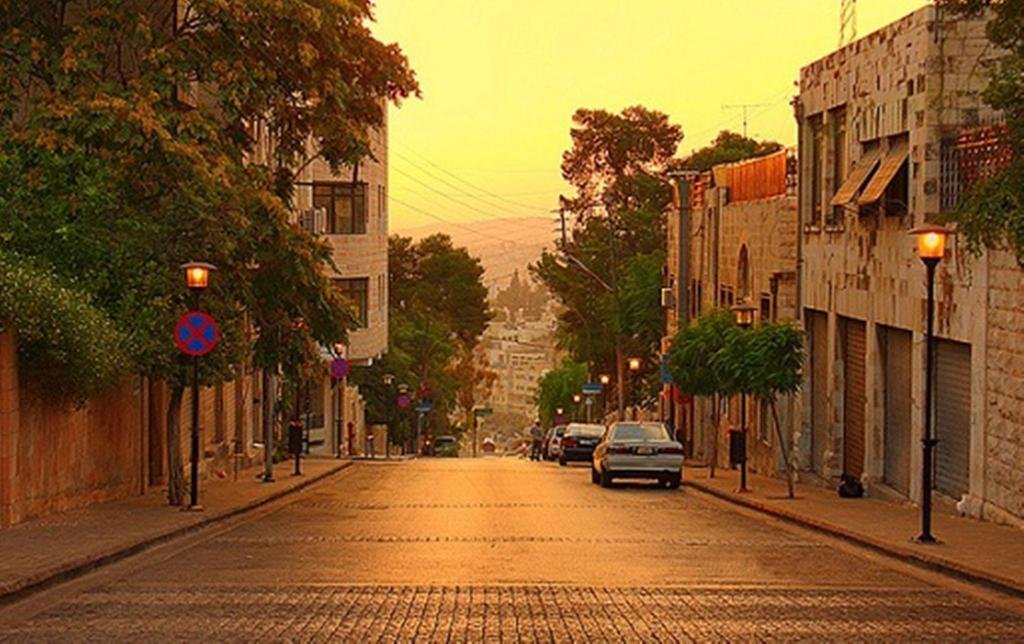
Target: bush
pixel 69 349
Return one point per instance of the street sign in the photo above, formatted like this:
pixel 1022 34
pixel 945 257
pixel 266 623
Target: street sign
pixel 339 368
pixel 589 402
pixel 424 406
pixel 592 388
pixel 196 333
pixel 403 401
pixel 482 411
pixel 666 377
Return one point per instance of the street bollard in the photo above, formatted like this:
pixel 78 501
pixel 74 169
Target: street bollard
pixel 295 443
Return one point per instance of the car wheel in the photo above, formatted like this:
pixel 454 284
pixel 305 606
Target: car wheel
pixel 606 479
pixel 561 461
pixel 675 481
pixel 594 478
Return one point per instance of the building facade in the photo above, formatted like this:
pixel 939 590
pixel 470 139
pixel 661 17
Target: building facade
pixel 881 130
pixel 735 242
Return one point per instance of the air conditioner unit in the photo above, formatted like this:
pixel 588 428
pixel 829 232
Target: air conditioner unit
pixel 668 299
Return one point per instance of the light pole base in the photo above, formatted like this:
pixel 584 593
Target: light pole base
pixel 193 508
pixel 267 479
pixel 925 540
pixel 743 490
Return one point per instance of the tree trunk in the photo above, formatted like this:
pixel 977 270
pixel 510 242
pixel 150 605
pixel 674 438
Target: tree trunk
pixel 175 477
pixel 713 436
pixel 790 473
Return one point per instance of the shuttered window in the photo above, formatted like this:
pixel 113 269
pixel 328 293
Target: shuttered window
pixel 952 417
pixel 854 397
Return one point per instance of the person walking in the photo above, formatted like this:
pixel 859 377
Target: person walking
pixel 536 439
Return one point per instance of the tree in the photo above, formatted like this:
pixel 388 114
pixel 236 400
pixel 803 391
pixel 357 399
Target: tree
pixel 991 215
pixel 475 381
pixel 728 147
pixel 557 387
pixel 126 148
pixel 603 273
pixel 694 364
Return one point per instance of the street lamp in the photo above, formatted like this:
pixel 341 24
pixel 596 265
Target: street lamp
pixel 931 246
pixel 197 278
pixel 577 399
pixel 744 314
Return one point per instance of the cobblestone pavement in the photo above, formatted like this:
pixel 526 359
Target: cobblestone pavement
pixel 505 550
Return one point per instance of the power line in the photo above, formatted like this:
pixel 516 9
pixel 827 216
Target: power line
pixel 449 222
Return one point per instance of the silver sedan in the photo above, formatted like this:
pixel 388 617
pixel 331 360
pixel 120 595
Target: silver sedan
pixel 638 450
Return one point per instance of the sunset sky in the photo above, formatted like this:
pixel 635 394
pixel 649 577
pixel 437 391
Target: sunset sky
pixel 501 79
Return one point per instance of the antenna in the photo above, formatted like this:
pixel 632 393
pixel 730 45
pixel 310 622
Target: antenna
pixel 744 107
pixel 847 22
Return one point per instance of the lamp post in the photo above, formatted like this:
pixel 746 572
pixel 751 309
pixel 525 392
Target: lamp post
pixel 605 380
pixel 634 369
pixel 577 399
pixel 931 246
pixel 744 313
pixel 197 277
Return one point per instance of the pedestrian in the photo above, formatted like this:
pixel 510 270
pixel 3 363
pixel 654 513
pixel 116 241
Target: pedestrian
pixel 536 438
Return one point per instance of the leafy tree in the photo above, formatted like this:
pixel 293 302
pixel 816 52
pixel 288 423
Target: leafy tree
pixel 126 148
pixel 992 213
pixel 604 273
pixel 694 364
pixel 727 147
pixel 474 378
pixel 557 387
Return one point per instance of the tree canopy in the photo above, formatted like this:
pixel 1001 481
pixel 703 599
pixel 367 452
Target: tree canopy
pixel 556 390
pixel 728 147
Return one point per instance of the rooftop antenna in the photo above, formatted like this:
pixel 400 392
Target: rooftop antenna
pixel 847 22
pixel 744 107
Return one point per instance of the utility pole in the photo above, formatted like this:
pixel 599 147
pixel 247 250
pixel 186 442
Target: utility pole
pixel 744 107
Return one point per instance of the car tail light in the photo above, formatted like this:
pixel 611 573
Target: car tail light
pixel 670 450
pixel 618 449
pixel 569 441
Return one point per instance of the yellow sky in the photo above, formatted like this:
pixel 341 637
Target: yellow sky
pixel 501 79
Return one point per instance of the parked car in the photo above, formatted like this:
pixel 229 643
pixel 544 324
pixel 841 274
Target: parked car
pixel 554 447
pixel 446 446
pixel 638 450
pixel 579 442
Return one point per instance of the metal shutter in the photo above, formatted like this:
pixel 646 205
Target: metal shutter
pixel 897 364
pixel 817 324
pixel 853 409
pixel 952 417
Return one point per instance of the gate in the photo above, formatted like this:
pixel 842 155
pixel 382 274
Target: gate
pixel 896 344
pixel 952 417
pixel 854 397
pixel 817 326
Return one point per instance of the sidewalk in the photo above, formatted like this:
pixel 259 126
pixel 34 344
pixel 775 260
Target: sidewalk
pixel 62 546
pixel 978 551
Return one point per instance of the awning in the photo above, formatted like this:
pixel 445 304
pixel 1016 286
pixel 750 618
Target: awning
pixel 857 178
pixel 892 163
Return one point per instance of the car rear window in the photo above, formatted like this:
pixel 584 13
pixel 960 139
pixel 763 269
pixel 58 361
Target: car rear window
pixel 559 431
pixel 445 440
pixel 595 431
pixel 628 432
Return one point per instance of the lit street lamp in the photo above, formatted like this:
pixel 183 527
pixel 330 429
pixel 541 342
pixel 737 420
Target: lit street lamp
pixel 197 277
pixel 744 313
pixel 577 399
pixel 634 369
pixel 931 246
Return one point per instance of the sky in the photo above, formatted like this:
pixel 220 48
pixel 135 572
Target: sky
pixel 502 78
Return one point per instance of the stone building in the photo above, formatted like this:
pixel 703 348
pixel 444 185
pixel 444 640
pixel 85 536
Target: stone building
pixel 881 126
pixel 349 209
pixel 740 235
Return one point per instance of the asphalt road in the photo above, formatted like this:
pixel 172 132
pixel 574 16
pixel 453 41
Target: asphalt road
pixel 503 549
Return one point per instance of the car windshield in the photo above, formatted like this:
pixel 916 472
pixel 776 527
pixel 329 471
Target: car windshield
pixel 445 440
pixel 590 431
pixel 640 431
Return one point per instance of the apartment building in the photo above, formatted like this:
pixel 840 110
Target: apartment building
pixel 349 209
pixel 890 127
pixel 735 241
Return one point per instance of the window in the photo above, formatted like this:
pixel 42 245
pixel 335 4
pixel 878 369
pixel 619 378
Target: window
pixel 817 169
pixel 766 308
pixel 695 297
pixel 726 296
pixel 345 205
pixel 356 291
pixel 837 120
pixel 743 271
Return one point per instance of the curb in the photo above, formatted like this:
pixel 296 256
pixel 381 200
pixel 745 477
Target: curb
pixel 906 555
pixel 21 588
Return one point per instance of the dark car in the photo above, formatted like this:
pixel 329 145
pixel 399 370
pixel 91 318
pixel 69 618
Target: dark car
pixel 446 446
pixel 579 442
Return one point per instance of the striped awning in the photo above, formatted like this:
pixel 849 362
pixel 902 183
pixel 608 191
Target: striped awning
pixel 894 160
pixel 857 178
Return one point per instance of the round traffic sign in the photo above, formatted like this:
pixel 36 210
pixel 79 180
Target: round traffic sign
pixel 196 333
pixel 339 368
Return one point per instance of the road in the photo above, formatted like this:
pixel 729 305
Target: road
pixel 504 549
